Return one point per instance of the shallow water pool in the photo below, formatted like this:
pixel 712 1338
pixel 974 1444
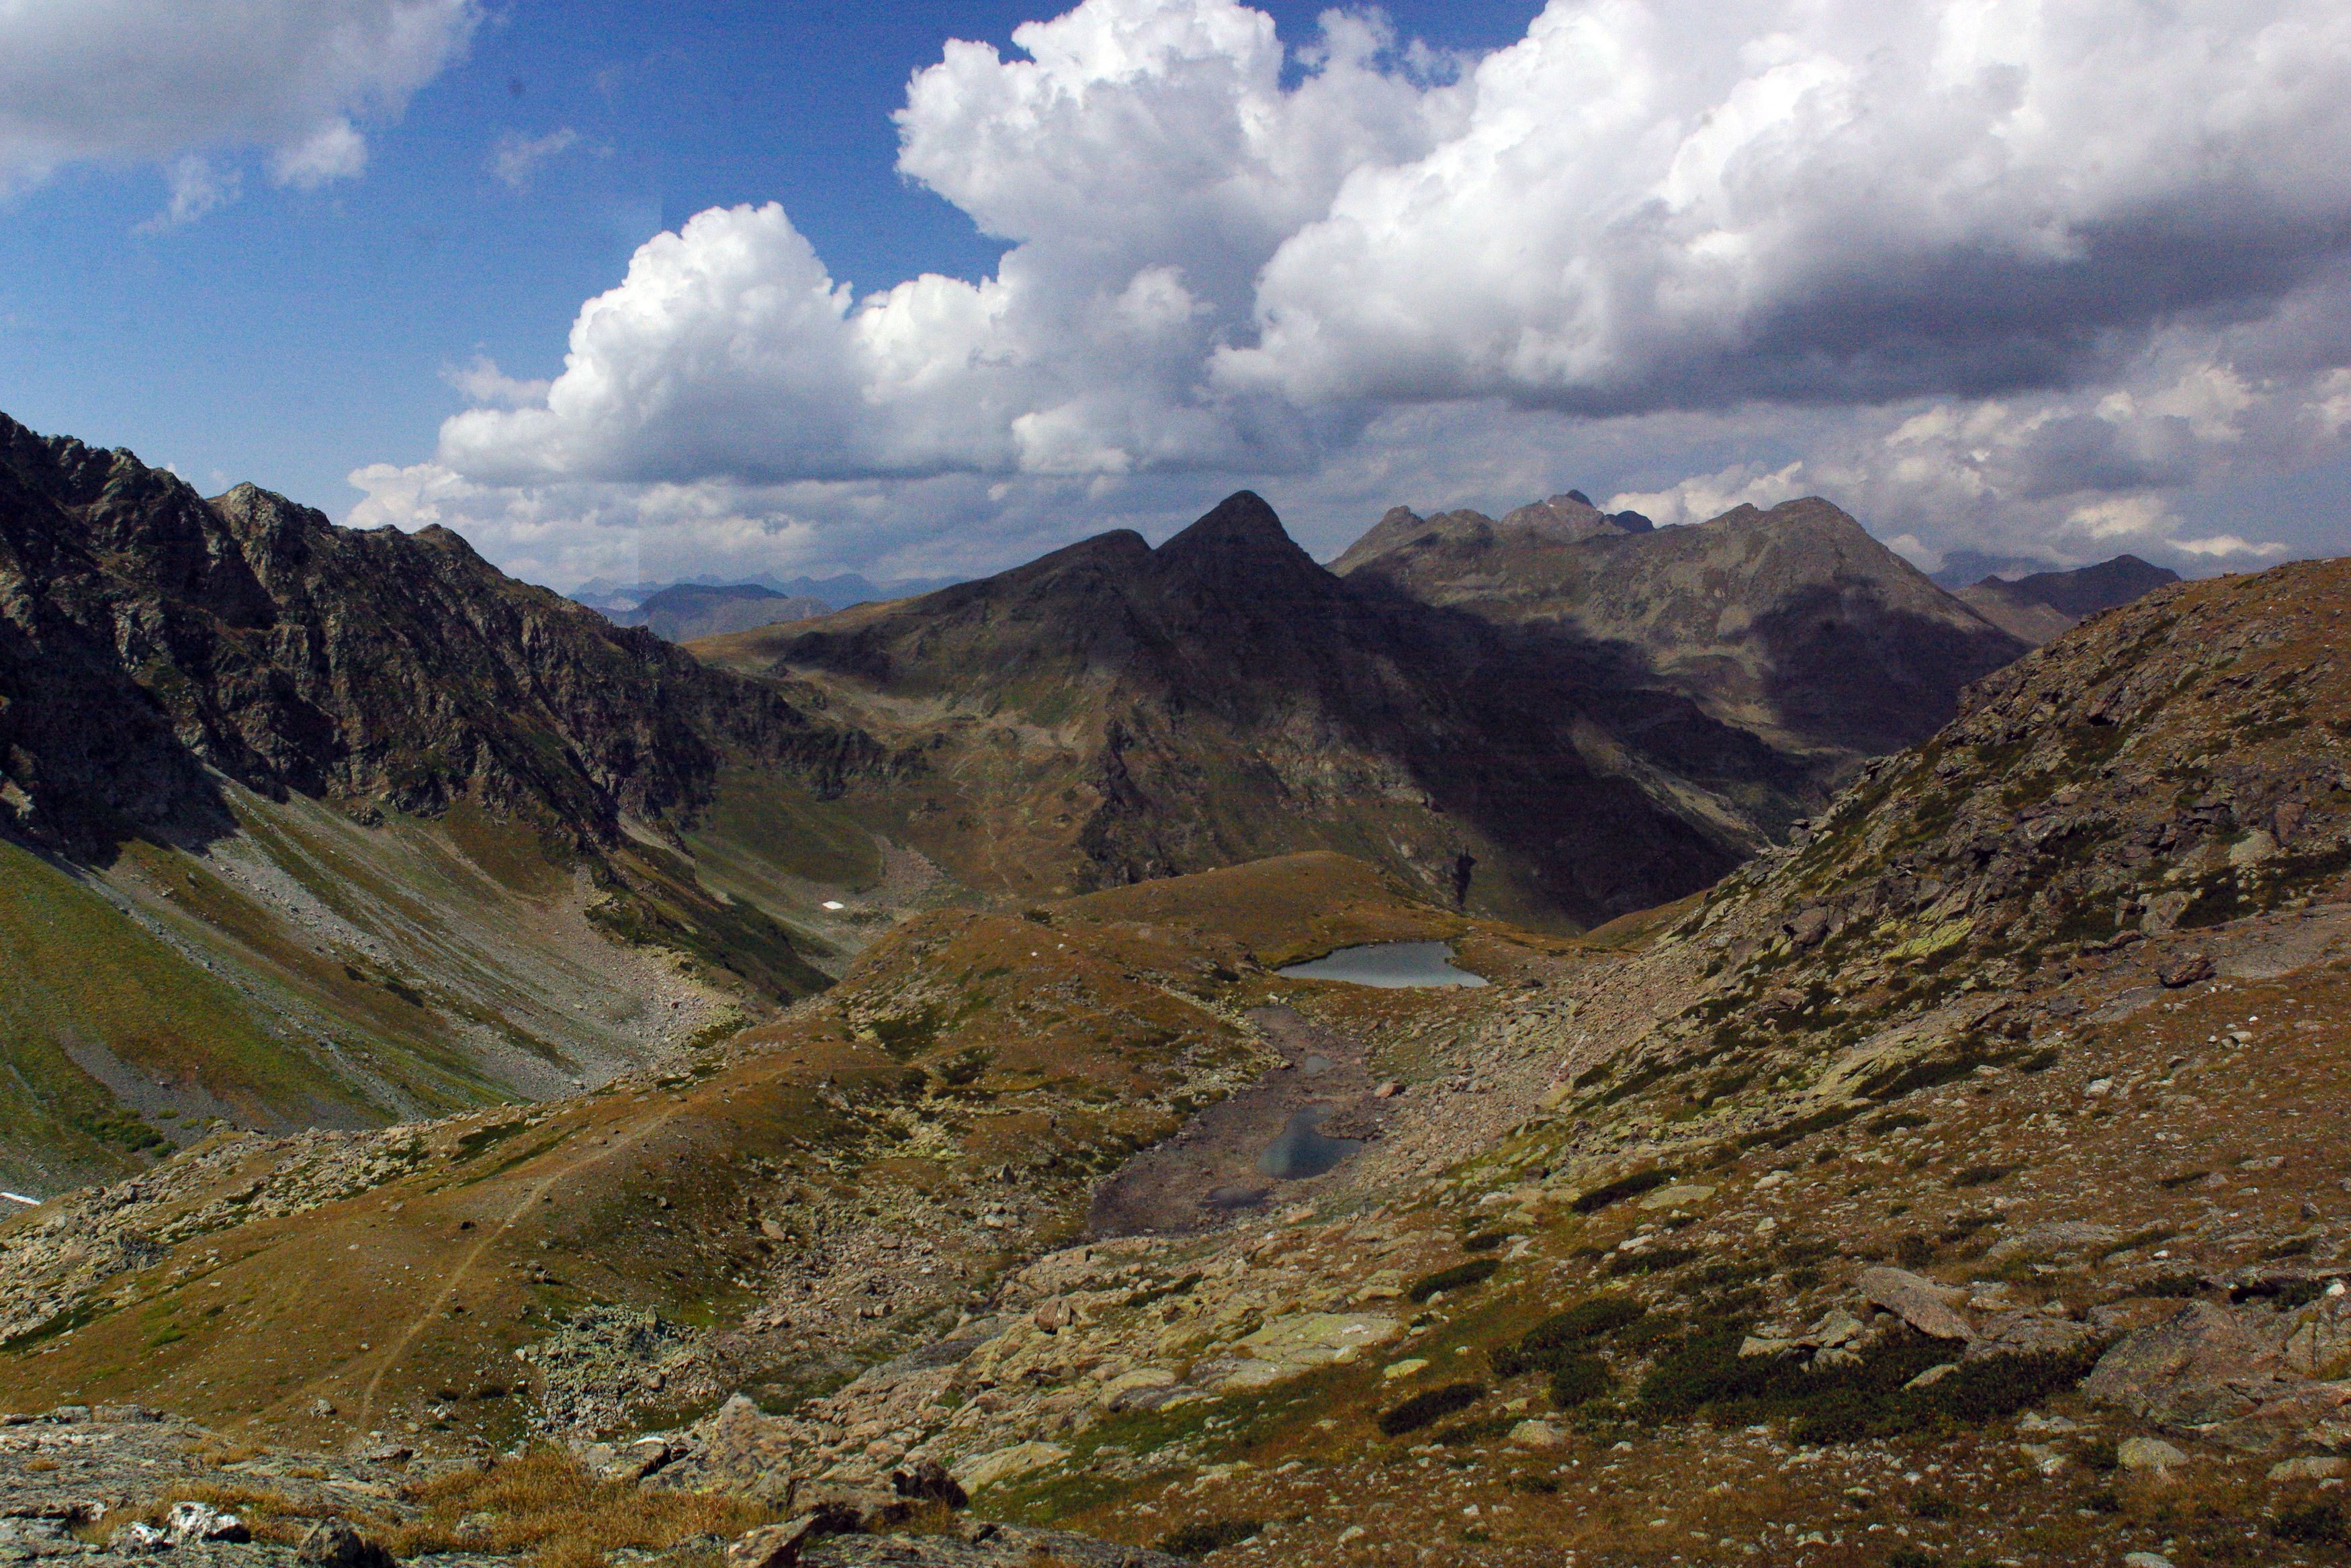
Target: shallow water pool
pixel 1301 1150
pixel 1390 965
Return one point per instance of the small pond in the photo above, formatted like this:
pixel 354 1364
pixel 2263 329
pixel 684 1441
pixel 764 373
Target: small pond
pixel 1301 1150
pixel 1390 965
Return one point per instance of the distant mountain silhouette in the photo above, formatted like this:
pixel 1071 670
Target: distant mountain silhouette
pixel 1791 624
pixel 2039 607
pixel 617 598
pixel 684 611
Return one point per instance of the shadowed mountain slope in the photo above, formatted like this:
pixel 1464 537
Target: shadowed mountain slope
pixel 1793 624
pixel 2038 608
pixel 148 635
pixel 304 824
pixel 1112 712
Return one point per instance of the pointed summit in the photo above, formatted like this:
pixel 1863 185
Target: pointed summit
pixel 1240 547
pixel 1240 521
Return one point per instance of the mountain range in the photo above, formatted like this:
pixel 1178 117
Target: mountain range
pixel 1947 1182
pixel 315 827
pixel 837 592
pixel 1113 713
pixel 1793 624
pixel 684 611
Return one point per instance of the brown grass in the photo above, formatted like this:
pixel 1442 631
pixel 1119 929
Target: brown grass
pixel 545 1505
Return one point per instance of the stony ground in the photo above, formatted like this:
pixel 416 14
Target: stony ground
pixel 1961 1185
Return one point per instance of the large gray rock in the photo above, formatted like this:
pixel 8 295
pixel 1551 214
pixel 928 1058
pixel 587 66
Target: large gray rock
pixel 746 1452
pixel 2205 1365
pixel 1929 1308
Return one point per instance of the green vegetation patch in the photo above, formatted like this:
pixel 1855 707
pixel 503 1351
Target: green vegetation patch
pixel 1578 1380
pixel 79 972
pixel 1200 1538
pixel 1705 1375
pixel 1655 1261
pixel 1616 1192
pixel 1429 1406
pixel 2314 1524
pixel 1476 1271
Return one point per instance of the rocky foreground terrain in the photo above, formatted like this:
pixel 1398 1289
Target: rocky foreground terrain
pixel 1961 1184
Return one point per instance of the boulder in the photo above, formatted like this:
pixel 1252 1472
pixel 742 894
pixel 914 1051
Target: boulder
pixel 2185 970
pixel 2027 1332
pixel 2288 1412
pixel 1917 1301
pixel 194 1522
pixel 2148 1454
pixel 2052 1241
pixel 2320 1343
pixel 2313 1469
pixel 772 1545
pixel 1005 1464
pixel 1301 1342
pixel 1536 1435
pixel 333 1543
pixel 643 1457
pixel 137 1540
pixel 1126 1389
pixel 2205 1363
pixel 747 1452
pixel 1677 1196
pixel 1837 1326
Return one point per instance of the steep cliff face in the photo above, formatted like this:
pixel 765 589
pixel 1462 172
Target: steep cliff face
pixel 1793 624
pixel 1112 712
pixel 148 635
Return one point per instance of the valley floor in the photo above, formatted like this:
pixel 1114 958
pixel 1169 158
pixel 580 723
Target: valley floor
pixel 1528 1323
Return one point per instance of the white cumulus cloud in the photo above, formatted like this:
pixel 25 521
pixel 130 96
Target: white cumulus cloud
pixel 125 82
pixel 2043 273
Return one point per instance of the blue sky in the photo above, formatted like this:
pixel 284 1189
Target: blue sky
pixel 1680 253
pixel 292 336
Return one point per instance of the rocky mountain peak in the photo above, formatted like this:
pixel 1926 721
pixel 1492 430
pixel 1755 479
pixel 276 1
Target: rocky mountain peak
pixel 1572 515
pixel 1240 533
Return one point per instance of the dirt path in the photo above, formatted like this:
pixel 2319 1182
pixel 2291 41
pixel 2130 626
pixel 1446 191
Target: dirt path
pixel 464 1272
